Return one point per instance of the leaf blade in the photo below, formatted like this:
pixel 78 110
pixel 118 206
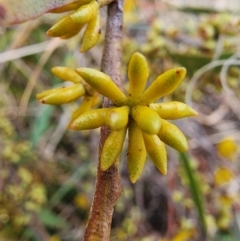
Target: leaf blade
pixel 14 12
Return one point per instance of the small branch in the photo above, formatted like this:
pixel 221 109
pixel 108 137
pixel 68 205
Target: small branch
pixel 108 184
pixel 112 53
pixel 13 54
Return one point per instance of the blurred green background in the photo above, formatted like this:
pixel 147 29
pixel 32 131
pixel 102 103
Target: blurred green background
pixel 47 173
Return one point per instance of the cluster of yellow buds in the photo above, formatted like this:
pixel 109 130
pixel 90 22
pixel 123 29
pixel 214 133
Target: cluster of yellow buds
pixel 85 12
pixel 145 121
pixel 66 94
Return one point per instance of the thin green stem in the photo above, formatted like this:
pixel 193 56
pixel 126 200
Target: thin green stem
pixel 196 194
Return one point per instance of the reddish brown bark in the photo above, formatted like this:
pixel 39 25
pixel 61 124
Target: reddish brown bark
pixel 108 184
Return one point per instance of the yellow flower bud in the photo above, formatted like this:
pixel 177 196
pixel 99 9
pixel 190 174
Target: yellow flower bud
pixel 96 99
pixel 85 13
pixel 90 120
pixel 173 110
pixel 136 154
pixel 165 84
pixel 112 148
pixel 172 136
pixel 91 34
pixel 47 92
pixel 67 74
pixel 137 74
pixel 147 119
pixel 103 84
pixel 85 106
pixel 117 118
pixel 64 95
pixel 157 151
pixel 70 7
pixel 63 27
pixel 72 33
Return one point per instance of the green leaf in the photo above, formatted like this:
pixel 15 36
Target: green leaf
pixel 13 11
pixel 194 62
pixel 77 175
pixel 41 124
pixel 194 188
pixel 50 219
pixel 30 234
pixel 198 10
pixel 225 236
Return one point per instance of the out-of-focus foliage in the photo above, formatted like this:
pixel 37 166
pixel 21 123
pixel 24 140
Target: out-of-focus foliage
pixel 228 148
pixel 47 174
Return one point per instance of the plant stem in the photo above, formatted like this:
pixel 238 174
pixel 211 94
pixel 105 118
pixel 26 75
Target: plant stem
pixel 196 195
pixel 108 184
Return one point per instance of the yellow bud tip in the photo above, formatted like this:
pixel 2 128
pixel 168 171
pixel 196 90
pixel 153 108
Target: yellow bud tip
pixel 164 171
pixel 71 126
pixel 184 148
pixel 103 168
pixel 133 180
pixel 193 112
pixel 49 33
pixel 181 71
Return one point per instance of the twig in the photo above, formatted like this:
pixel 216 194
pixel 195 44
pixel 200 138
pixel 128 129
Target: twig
pixel 223 74
pixel 203 70
pixel 24 51
pixel 52 45
pixel 58 133
pixel 108 184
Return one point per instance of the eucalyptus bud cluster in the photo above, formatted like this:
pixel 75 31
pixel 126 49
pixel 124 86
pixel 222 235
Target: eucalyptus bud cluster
pixel 86 12
pixel 136 113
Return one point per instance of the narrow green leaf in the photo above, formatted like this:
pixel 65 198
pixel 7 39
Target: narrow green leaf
pixel 77 175
pixel 41 124
pixel 50 219
pixel 29 234
pixel 198 10
pixel 194 188
pixel 225 236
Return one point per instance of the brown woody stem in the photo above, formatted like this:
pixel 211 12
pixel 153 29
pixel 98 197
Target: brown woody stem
pixel 108 183
pixel 103 3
